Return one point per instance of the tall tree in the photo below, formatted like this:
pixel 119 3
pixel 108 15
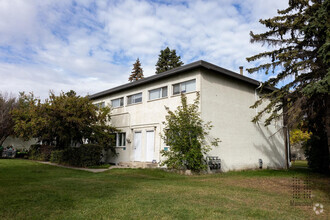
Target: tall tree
pixel 301 37
pixel 185 132
pixel 63 120
pixel 137 72
pixel 7 104
pixel 167 59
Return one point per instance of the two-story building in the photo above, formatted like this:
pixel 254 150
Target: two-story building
pixel 139 110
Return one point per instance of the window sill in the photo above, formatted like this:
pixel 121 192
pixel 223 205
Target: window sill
pixel 183 93
pixel 133 104
pixel 158 99
pixel 117 107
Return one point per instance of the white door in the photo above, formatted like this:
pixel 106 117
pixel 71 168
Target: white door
pixel 137 146
pixel 150 146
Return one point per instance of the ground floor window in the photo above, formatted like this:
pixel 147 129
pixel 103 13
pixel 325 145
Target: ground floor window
pixel 121 139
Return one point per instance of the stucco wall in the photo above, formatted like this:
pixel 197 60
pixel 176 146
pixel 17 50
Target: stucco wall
pixel 226 102
pixel 147 115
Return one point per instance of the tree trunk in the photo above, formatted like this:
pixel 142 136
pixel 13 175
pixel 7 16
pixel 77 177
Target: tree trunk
pixel 328 125
pixel 2 139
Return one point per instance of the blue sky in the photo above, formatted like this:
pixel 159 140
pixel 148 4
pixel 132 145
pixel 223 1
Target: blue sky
pixel 90 46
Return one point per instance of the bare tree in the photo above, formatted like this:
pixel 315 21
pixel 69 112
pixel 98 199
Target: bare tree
pixel 7 104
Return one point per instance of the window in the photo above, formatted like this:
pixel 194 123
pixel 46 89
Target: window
pixel 120 139
pixel 117 102
pixel 132 99
pixel 184 87
pixel 158 93
pixel 100 105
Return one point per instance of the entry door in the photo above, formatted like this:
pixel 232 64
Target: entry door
pixel 150 146
pixel 137 145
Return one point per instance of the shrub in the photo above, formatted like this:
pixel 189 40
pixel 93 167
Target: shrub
pixel 21 153
pixel 90 154
pixel 185 133
pixel 83 156
pixel 1 150
pixel 34 153
pixel 40 152
pixel 57 156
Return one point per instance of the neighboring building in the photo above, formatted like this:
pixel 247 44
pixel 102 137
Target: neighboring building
pixel 297 151
pixel 225 100
pixel 18 143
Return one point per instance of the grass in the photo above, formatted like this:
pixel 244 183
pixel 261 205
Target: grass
pixel 299 164
pixel 30 190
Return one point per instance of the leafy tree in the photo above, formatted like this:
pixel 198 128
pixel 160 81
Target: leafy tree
pixel 298 136
pixel 301 37
pixel 7 104
pixel 63 120
pixel 185 133
pixel 167 59
pixel 137 72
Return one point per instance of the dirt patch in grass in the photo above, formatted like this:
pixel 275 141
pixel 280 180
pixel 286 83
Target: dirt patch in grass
pixel 273 185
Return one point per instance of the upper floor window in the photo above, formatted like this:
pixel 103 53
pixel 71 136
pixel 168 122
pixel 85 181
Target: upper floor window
pixel 136 98
pixel 158 93
pixel 100 105
pixel 184 87
pixel 117 102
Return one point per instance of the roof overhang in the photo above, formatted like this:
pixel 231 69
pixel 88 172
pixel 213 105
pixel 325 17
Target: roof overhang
pixel 191 66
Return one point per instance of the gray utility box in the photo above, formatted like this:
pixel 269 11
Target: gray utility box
pixel 213 163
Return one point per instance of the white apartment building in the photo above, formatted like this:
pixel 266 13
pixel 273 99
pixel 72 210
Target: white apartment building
pixel 138 110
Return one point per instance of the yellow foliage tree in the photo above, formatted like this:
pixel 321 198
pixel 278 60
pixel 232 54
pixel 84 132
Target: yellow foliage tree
pixel 297 136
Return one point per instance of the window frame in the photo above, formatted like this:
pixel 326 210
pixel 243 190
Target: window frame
pixel 100 105
pixel 129 97
pixel 161 93
pixel 121 102
pixel 122 142
pixel 181 85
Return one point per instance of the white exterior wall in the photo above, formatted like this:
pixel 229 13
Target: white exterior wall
pixel 226 103
pixel 18 143
pixel 146 116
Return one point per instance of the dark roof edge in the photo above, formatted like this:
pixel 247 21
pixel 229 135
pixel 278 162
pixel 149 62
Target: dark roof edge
pixel 187 67
pixel 233 74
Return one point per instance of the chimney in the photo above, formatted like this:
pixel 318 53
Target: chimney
pixel 241 70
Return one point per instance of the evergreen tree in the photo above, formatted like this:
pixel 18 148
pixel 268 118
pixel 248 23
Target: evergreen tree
pixel 167 60
pixel 301 37
pixel 137 72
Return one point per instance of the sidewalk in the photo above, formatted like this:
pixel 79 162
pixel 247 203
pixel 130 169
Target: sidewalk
pixel 78 168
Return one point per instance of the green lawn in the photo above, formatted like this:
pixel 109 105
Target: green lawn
pixel 30 190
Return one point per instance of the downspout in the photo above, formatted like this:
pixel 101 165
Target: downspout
pixel 256 96
pixel 288 148
pixel 286 136
pixel 286 143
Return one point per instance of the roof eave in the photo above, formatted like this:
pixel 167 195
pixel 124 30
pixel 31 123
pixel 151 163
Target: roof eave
pixel 194 65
